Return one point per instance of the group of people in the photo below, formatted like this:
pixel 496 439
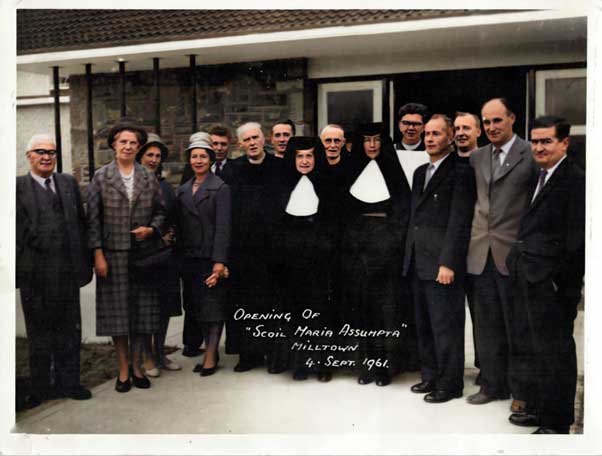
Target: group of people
pixel 319 256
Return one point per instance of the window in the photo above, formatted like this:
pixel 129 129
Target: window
pixel 349 102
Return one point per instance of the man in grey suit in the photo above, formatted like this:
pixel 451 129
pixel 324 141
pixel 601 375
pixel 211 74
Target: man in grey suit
pixel 52 264
pixel 503 170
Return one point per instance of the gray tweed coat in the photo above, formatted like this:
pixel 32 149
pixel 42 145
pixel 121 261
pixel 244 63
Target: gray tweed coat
pixel 123 304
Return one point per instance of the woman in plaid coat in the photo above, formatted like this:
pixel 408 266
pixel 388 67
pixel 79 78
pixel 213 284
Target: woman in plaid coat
pixel 125 206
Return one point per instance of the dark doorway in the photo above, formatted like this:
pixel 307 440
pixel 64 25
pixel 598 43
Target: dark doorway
pixel 463 90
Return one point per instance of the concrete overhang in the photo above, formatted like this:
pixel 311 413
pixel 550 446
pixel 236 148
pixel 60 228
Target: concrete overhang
pixel 537 29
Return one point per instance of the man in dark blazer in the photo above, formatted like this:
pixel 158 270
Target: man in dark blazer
pixel 436 245
pixel 221 137
pixel 503 170
pixel 52 264
pixel 546 265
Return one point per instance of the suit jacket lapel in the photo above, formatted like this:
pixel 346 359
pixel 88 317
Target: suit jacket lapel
pixel 417 189
pixel 547 188
pixel 114 179
pixel 486 164
pixel 30 200
pixel 140 182
pixel 63 191
pixel 185 194
pixel 436 178
pixel 515 156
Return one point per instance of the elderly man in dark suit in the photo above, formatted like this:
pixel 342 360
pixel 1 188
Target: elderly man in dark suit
pixel 436 245
pixel 52 264
pixel 547 264
pixel 503 170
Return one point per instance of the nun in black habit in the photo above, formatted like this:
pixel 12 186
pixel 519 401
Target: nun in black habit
pixel 303 242
pixel 373 294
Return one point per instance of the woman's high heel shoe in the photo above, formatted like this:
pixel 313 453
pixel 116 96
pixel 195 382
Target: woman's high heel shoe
pixel 206 372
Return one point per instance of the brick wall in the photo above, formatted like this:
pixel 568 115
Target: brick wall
pixel 232 94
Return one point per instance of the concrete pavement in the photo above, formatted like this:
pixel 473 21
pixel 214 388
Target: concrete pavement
pixel 258 403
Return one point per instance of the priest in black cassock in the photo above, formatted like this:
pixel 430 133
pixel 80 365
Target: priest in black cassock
pixel 252 265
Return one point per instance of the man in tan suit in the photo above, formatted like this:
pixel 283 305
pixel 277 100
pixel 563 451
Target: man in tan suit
pixel 502 171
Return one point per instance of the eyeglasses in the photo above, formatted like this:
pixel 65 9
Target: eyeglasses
pixel 408 123
pixel 49 152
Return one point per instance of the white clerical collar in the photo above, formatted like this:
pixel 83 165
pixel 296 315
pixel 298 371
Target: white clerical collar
pixel 411 146
pixel 257 161
pixel 370 185
pixel 303 200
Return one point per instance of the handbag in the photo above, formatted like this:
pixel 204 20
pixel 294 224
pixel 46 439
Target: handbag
pixel 151 253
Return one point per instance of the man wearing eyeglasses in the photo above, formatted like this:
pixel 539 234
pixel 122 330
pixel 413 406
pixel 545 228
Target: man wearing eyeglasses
pixel 412 117
pixel 411 151
pixel 52 264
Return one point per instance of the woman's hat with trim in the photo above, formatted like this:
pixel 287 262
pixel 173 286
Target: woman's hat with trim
pixel 129 124
pixel 153 140
pixel 200 140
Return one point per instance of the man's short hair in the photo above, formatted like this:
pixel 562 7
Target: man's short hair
pixel 337 126
pixel 247 126
pixel 288 122
pixel 563 128
pixel 504 101
pixel 220 130
pixel 39 138
pixel 477 121
pixel 414 108
pixel 447 120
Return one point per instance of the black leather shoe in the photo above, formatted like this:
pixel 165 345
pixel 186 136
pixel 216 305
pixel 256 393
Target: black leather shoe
pixel 300 374
pixel 365 378
pixel 197 368
pixel 324 377
pixel 423 387
pixel 244 366
pixel 206 372
pixel 139 382
pixel 277 369
pixel 439 396
pixel 79 393
pixel 122 387
pixel 191 352
pixel 484 398
pixel 383 380
pixel 524 419
pixel 557 430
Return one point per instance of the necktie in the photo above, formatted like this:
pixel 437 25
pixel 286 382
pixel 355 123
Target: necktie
pixel 540 183
pixel 47 182
pixel 218 168
pixel 429 173
pixel 495 164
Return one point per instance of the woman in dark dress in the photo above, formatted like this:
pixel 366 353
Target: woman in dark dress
pixel 152 155
pixel 203 241
pixel 377 205
pixel 302 243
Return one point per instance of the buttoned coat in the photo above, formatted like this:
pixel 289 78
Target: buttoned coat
pixel 123 305
pixel 29 243
pixel 110 215
pixel 499 205
pixel 203 220
pixel 439 228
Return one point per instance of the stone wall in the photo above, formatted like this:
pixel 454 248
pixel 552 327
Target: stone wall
pixel 231 94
